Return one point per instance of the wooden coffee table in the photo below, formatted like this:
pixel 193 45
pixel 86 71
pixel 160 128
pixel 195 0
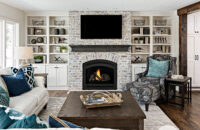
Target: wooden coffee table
pixel 127 116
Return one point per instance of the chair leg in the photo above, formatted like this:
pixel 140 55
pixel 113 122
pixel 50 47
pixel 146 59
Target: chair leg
pixel 147 107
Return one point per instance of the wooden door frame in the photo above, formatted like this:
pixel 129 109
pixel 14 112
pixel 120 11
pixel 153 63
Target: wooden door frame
pixel 182 13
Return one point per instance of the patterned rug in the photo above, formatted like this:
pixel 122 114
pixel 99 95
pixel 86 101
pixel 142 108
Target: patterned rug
pixel 155 116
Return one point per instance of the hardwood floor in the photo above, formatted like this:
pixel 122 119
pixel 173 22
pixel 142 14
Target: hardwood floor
pixel 187 119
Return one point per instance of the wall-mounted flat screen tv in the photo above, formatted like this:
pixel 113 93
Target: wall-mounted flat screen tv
pixel 101 26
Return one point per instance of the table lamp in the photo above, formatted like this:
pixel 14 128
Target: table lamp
pixel 23 53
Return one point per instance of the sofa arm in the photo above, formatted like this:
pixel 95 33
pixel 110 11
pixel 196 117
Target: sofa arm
pixel 40 81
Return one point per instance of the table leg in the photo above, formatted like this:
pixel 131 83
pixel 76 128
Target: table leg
pixel 166 92
pixel 190 89
pixel 183 89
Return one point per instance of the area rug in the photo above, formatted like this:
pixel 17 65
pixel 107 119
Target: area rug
pixel 156 118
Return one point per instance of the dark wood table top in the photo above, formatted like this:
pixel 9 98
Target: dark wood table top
pixel 73 108
pixel 178 80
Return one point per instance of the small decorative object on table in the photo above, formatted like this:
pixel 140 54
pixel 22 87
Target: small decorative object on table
pixel 101 99
pixel 177 77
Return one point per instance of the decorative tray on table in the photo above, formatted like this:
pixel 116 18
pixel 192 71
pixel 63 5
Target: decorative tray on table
pixel 101 99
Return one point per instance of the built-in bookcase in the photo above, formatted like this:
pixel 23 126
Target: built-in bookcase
pixel 48 35
pixel 150 35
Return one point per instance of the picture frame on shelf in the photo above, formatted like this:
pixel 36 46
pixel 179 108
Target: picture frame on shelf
pixel 39 31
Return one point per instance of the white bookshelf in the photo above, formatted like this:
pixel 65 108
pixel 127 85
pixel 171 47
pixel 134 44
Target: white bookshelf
pixel 150 35
pixel 54 34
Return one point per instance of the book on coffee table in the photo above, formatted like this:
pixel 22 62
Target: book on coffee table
pixel 91 100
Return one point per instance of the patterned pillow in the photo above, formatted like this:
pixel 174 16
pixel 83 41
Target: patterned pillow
pixel 27 122
pixel 28 72
pixel 5 120
pixel 16 116
pixel 4 97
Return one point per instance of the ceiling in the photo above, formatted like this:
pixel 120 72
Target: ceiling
pixel 66 5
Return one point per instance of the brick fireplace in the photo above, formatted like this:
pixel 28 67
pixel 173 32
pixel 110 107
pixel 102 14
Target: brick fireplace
pixel 111 56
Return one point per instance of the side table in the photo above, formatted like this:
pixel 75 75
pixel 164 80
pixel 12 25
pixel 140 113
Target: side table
pixel 187 81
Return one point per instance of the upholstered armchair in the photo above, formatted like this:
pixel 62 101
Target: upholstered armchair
pixel 141 77
pixel 147 89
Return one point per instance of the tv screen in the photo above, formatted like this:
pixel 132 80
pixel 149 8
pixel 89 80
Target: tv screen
pixel 101 26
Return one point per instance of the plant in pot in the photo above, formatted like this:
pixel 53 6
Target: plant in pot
pixel 38 59
pixel 63 49
pixel 136 40
pixel 141 40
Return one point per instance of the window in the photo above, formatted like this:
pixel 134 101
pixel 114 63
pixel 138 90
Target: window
pixel 8 39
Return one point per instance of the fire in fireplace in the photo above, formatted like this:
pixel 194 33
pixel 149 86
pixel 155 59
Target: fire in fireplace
pixel 99 75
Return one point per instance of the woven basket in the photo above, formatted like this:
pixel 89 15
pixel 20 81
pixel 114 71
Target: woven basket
pixel 112 99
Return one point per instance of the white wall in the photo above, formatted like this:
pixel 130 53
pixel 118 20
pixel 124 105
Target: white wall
pixel 14 14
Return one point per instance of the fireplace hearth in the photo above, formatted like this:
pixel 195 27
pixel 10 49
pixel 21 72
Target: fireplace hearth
pixel 99 75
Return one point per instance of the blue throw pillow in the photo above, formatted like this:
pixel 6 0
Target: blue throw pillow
pixel 5 120
pixel 4 97
pixel 157 68
pixel 27 122
pixel 29 74
pixel 16 84
pixel 55 122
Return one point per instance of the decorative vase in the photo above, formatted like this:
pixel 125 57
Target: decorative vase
pixel 141 41
pixel 62 31
pixel 56 31
pixel 64 50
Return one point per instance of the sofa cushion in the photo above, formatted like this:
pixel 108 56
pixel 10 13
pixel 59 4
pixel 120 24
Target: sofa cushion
pixel 5 120
pixel 28 122
pixel 28 72
pixel 157 68
pixel 4 97
pixel 24 103
pixel 39 93
pixel 16 84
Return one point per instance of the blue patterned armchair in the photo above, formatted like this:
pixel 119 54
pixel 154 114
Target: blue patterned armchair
pixel 154 88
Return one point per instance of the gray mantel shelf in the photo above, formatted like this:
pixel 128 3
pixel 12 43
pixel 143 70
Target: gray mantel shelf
pixel 100 48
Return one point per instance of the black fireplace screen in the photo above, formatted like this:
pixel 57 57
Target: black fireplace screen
pixel 99 75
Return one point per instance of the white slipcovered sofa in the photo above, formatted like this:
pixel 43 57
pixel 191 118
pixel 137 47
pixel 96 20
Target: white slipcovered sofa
pixel 33 101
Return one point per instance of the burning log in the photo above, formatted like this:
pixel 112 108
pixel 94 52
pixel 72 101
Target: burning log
pixel 96 77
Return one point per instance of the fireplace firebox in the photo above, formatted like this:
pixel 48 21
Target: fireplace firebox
pixel 99 75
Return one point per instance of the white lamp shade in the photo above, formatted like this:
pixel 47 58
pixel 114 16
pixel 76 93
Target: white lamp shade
pixel 24 53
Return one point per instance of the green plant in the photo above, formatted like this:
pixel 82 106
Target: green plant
pixel 38 57
pixel 63 48
pixel 136 38
pixel 141 38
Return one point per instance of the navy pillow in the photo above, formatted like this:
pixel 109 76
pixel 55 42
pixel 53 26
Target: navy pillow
pixel 5 120
pixel 16 84
pixel 55 122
